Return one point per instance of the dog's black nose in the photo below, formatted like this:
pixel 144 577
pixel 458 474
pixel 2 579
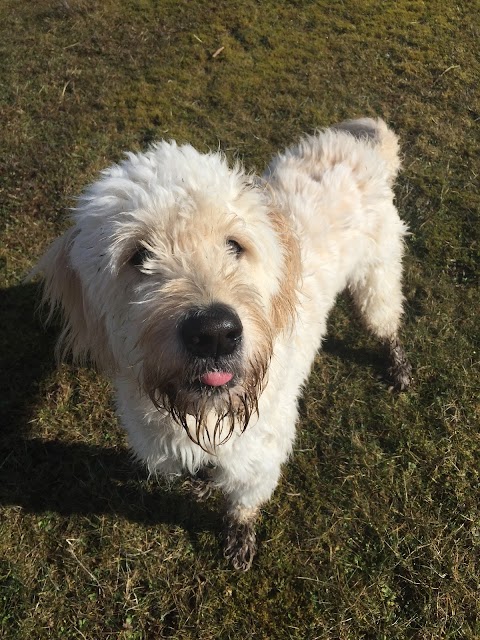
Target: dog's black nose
pixel 212 332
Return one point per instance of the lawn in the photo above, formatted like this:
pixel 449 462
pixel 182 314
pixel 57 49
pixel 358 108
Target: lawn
pixel 374 531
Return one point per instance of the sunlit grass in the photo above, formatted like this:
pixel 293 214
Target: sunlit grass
pixel 374 531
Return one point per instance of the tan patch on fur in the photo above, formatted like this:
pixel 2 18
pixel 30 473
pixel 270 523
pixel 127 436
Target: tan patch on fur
pixel 284 303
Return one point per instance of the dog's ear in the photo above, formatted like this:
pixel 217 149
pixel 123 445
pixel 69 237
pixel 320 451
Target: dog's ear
pixel 83 334
pixel 284 303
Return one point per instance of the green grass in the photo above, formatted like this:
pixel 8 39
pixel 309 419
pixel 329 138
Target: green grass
pixel 374 531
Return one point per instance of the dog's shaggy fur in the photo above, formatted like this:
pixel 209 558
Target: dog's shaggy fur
pixel 204 293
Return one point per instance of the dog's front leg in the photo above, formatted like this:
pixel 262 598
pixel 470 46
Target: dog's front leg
pixel 239 537
pixel 244 499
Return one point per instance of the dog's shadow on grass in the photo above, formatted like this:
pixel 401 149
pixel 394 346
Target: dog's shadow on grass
pixel 367 357
pixel 68 478
pixel 72 478
pixel 79 479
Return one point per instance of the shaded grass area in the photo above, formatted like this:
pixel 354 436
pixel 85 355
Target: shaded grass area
pixel 374 531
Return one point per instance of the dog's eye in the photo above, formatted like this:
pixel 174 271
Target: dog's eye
pixel 140 256
pixel 235 248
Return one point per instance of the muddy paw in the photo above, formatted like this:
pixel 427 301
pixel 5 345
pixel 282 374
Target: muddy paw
pixel 239 544
pixel 400 370
pixel 200 486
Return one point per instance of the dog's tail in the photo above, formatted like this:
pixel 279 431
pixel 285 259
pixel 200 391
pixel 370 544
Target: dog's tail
pixel 377 132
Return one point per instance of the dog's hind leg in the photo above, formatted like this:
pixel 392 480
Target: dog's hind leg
pixel 400 369
pixel 378 296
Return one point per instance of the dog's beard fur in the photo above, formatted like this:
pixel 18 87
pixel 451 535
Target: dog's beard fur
pixel 170 376
pixel 209 415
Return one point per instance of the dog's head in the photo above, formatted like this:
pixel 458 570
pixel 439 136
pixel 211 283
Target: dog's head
pixel 178 271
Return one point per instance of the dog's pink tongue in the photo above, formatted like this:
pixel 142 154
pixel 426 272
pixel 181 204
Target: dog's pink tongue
pixel 216 378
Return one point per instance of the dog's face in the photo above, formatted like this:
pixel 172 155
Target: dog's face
pixel 179 272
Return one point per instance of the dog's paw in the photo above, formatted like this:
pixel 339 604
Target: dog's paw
pixel 400 370
pixel 200 489
pixel 401 377
pixel 239 544
pixel 200 486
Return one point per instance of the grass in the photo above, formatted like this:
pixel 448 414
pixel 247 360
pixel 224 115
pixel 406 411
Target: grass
pixel 374 532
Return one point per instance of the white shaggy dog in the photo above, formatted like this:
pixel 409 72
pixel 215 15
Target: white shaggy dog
pixel 204 293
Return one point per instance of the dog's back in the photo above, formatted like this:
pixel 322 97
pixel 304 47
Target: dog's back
pixel 383 138
pixel 337 184
pixel 361 144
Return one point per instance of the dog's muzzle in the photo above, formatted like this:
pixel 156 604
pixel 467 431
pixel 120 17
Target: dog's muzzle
pixel 212 336
pixel 213 391
pixel 213 333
